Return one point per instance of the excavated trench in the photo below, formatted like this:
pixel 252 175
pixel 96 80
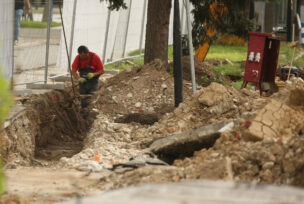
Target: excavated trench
pixel 60 129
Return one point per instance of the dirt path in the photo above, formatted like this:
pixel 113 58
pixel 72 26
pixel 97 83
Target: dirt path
pixel 45 185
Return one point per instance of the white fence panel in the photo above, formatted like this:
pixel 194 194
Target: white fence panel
pixel 6 37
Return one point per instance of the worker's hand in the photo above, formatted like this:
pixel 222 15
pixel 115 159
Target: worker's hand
pixel 81 80
pixel 90 75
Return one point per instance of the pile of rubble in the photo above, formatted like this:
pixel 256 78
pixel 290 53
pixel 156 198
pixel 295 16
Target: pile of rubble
pixel 264 144
pixel 264 141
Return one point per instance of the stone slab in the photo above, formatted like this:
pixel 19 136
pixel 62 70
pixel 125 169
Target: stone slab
pixel 22 92
pixel 59 86
pixel 63 79
pixel 112 71
pixel 187 142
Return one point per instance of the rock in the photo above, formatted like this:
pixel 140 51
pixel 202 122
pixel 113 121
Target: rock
pixel 164 86
pixel 138 104
pixel 130 95
pixel 89 166
pixel 213 94
pixel 150 109
pixel 227 61
pixel 268 165
pixel 222 107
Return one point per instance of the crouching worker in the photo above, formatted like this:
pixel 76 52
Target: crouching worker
pixel 90 67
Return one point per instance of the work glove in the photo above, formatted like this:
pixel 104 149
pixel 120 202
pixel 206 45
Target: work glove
pixel 82 80
pixel 90 75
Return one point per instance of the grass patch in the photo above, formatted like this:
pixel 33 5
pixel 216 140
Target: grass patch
pixel 37 24
pixel 233 53
pixel 125 64
pixel 136 52
pixel 237 84
pixel 286 55
pixel 234 69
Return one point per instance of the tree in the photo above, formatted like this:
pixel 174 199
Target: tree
pixel 232 17
pixel 157 28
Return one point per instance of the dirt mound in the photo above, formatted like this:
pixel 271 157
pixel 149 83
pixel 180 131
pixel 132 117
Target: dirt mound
pixel 266 162
pixel 276 160
pixel 12 199
pixel 204 73
pixel 146 88
pixel 215 103
pixel 273 159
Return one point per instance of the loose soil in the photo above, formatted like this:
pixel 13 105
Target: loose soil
pixel 135 108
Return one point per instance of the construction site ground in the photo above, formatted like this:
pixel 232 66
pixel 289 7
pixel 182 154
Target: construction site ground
pixel 135 136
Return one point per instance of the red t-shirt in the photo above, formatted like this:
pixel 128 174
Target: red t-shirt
pixel 96 64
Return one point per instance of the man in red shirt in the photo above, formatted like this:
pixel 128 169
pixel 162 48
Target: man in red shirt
pixel 90 67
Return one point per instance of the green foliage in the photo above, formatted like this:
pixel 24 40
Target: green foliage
pixel 5 105
pixel 1 179
pixel 5 99
pixel 37 24
pixel 116 4
pixel 233 21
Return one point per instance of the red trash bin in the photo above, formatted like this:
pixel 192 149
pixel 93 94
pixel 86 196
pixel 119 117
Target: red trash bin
pixel 262 59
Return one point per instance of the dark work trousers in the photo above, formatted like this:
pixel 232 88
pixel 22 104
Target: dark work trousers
pixel 85 89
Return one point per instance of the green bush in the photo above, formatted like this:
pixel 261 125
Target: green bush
pixel 5 98
pixel 5 105
pixel 1 180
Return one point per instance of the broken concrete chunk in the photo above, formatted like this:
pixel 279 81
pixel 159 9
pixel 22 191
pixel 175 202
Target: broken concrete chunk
pixel 187 142
pixel 273 121
pixel 89 166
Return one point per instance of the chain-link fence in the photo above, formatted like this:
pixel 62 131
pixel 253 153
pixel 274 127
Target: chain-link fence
pixel 6 37
pixel 40 50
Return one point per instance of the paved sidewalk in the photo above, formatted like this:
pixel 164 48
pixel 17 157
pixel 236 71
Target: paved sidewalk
pixel 30 55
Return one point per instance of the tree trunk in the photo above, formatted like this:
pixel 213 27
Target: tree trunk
pixel 247 8
pixel 157 30
pixel 269 14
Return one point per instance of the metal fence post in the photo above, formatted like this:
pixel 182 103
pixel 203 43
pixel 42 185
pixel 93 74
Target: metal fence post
pixel 182 17
pixel 13 49
pixel 48 43
pixel 177 56
pixel 72 31
pixel 106 37
pixel 190 46
pixel 126 34
pixel 142 26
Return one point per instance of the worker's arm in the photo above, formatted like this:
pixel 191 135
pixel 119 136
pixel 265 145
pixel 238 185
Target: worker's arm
pixel 99 66
pixel 74 74
pixel 75 66
pixel 28 5
pixel 100 72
